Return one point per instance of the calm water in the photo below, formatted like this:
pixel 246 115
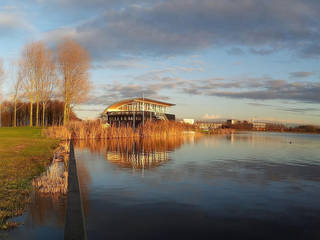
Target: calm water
pixel 241 186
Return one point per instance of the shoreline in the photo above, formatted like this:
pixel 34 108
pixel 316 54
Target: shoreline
pixel 25 154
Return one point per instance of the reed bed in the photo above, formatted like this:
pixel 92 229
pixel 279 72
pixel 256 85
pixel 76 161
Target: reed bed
pixel 96 130
pixel 55 180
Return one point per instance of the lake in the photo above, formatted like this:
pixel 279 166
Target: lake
pixel 248 185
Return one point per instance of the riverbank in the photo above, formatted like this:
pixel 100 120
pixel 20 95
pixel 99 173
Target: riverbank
pixel 25 154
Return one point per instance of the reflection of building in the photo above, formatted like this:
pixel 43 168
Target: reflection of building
pixel 137 159
pixel 259 126
pixel 137 110
pixel 137 153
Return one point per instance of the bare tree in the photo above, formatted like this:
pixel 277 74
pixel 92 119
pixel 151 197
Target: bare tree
pixel 1 72
pixel 16 94
pixel 28 70
pixel 73 65
pixel 1 80
pixel 36 66
pixel 47 84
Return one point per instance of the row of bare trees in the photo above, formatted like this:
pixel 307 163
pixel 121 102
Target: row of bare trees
pixel 1 79
pixel 53 113
pixel 43 75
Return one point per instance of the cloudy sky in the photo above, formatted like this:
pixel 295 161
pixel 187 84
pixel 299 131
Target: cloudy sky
pixel 240 59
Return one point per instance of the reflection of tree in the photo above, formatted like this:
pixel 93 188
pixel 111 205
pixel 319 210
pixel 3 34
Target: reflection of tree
pixel 47 209
pixel 137 152
pixel 84 180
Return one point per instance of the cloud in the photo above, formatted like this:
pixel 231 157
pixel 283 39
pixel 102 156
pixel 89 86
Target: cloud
pixel 258 89
pixel 301 74
pixel 180 27
pixel 120 64
pixel 263 51
pixel 157 84
pixel 57 35
pixel 297 110
pixel 11 23
pixel 235 51
pixel 118 91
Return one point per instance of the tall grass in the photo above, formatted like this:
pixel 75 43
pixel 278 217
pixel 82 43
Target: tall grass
pixel 96 130
pixel 53 181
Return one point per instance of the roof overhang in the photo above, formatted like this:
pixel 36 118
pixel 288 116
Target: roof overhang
pixel 115 106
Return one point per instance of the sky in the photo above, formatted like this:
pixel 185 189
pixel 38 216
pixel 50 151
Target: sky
pixel 214 59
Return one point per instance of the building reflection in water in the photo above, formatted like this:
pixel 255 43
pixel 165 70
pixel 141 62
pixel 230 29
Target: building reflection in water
pixel 138 153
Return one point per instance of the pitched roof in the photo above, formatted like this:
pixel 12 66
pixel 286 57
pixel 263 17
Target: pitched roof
pixel 116 105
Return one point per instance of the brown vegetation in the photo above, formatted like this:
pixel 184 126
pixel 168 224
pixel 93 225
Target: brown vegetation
pixel 304 129
pixel 38 75
pixel 97 130
pixel 276 127
pixel 55 180
pixel 73 65
pixel 1 79
pixel 35 69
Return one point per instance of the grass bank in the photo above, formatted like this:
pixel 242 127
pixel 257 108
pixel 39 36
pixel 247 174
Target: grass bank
pixel 24 154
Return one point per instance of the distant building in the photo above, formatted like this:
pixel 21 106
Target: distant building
pixel 259 126
pixel 232 121
pixel 205 125
pixel 132 112
pixel 188 120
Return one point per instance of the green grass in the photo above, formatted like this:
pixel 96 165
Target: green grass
pixel 24 154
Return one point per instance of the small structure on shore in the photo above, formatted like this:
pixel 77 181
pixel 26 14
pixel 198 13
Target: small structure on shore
pixel 188 120
pixel 207 125
pixel 232 122
pixel 259 126
pixel 132 112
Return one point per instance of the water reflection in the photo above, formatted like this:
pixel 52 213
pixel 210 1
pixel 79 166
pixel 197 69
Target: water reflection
pixel 239 186
pixel 47 210
pixel 138 153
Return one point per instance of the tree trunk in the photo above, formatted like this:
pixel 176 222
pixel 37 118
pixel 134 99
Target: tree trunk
pixel 37 115
pixel 31 114
pixel 43 112
pixel 15 114
pixel 0 114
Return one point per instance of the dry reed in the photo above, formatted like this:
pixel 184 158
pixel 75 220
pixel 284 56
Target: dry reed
pixel 55 179
pixel 96 130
